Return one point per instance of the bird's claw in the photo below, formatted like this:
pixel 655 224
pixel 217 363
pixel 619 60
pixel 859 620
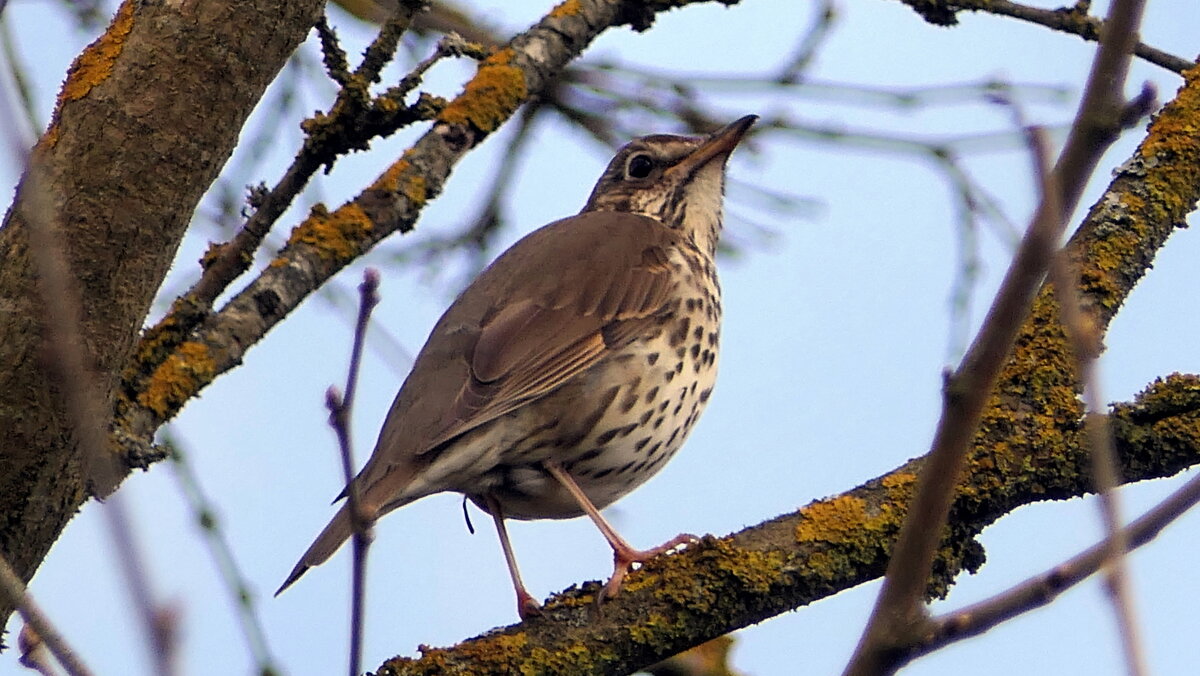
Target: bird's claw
pixel 624 558
pixel 528 607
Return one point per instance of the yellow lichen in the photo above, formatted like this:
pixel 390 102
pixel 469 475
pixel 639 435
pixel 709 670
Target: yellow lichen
pixel 836 520
pixel 334 236
pixel 647 632
pixel 402 178
pixel 178 378
pixel 571 659
pixel 491 96
pixel 504 653
pixel 159 341
pixel 1173 140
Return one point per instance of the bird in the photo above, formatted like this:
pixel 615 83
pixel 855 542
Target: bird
pixel 573 367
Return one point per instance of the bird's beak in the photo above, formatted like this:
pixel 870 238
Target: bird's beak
pixel 719 144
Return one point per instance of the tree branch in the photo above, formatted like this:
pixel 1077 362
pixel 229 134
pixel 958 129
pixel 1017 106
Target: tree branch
pixel 123 164
pixel 1031 446
pixel 327 240
pixel 1073 21
pixel 830 545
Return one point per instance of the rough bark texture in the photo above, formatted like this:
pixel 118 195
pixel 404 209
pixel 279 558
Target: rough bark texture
pixel 147 117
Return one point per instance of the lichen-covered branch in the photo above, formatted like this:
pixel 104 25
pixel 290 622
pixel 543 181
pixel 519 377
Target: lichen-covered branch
pixel 145 120
pixel 1031 446
pixel 830 545
pixel 158 384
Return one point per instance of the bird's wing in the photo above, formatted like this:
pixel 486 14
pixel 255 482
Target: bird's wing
pixel 603 280
pixel 552 306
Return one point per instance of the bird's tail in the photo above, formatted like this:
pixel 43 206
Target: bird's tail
pixel 338 531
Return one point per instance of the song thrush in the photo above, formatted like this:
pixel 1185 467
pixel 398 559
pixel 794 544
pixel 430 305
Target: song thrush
pixel 571 370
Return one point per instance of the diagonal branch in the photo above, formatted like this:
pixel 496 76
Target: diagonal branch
pixel 327 240
pixel 899 618
pixel 830 545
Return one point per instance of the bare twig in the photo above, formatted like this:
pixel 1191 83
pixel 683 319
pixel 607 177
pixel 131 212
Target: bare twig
pixel 12 587
pixel 337 66
pixel 222 553
pixel 1085 341
pixel 1041 590
pixel 16 70
pixel 1074 21
pixel 225 262
pixel 824 16
pixel 899 618
pixel 339 418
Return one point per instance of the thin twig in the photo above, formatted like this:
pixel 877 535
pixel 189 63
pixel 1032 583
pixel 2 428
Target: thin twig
pixel 899 618
pixel 1085 342
pixel 339 418
pixel 810 44
pixel 1040 590
pixel 337 66
pixel 12 587
pixel 383 48
pixel 225 262
pixel 1074 21
pixel 227 567
pixel 16 70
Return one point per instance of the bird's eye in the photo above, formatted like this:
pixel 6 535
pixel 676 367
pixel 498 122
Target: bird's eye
pixel 639 166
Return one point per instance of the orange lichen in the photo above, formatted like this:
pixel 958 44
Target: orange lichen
pixel 335 236
pixel 490 97
pixel 94 65
pixel 178 378
pixel 565 9
pixel 90 68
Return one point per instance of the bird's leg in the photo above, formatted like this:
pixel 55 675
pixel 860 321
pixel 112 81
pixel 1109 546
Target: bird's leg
pixel 527 606
pixel 624 555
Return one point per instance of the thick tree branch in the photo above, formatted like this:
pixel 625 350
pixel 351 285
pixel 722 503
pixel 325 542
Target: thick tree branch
pixel 828 546
pixel 1031 446
pixel 146 118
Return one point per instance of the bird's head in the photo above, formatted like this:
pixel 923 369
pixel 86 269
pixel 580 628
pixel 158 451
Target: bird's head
pixel 678 180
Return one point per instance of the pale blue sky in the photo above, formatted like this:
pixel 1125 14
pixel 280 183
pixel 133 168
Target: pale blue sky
pixel 836 333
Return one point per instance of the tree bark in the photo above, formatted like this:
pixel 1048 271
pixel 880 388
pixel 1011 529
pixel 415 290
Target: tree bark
pixel 148 115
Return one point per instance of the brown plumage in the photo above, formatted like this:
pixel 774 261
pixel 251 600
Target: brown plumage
pixel 572 368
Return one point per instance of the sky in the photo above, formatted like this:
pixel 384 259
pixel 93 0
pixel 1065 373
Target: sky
pixel 838 326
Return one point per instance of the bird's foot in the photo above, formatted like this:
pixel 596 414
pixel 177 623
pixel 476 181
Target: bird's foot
pixel 625 557
pixel 527 606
